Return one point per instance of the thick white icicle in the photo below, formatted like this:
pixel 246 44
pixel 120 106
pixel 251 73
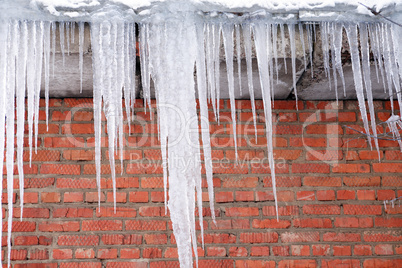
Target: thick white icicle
pixel 62 43
pixel 216 40
pixel 96 42
pixel 301 33
pixel 275 49
pixel 20 92
pixel 38 76
pixel 247 49
pixel 325 50
pixel 206 140
pixel 227 32
pixel 81 28
pixel 337 47
pixel 282 28
pixel 262 59
pixel 238 54
pixel 365 52
pixel 351 31
pixel 31 67
pixel 397 39
pixel 12 46
pixel 292 36
pixel 46 59
pixel 3 90
pixel 180 108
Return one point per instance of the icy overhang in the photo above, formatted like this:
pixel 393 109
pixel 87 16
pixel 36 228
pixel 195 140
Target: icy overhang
pixel 66 81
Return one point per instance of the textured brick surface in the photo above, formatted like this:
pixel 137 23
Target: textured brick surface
pixel 331 193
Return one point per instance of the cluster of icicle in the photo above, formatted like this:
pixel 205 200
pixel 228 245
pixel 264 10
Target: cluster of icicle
pixel 170 51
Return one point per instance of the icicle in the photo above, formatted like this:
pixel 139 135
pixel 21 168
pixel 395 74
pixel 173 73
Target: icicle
pixel 72 32
pixel 210 52
pixel 202 98
pixel 397 38
pixel 53 44
pixel 262 59
pixel 351 31
pixel 365 52
pixel 301 33
pixel 46 58
pixel 31 69
pixel 216 35
pixel 337 47
pixel 373 48
pixel 61 31
pixel 20 92
pixel 325 50
pixel 68 32
pixel 96 42
pixel 282 28
pixel 12 45
pixel 393 123
pixel 275 49
pixel 81 30
pixel 38 77
pixel 227 32
pixel 247 49
pixel 237 27
pixel 3 90
pixel 127 74
pixel 291 28
pixel 332 43
pixel 310 47
pixel 379 52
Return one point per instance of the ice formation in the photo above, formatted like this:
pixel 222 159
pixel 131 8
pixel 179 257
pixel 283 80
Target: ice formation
pixel 174 43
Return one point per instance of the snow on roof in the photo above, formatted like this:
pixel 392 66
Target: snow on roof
pixel 52 9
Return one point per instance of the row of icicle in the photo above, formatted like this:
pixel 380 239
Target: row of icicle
pixel 169 52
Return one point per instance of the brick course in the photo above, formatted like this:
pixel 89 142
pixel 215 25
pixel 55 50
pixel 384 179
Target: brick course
pixel 331 189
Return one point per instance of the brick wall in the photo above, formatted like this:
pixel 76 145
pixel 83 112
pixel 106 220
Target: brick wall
pixel 331 189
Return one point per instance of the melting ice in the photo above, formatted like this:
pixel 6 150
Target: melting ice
pixel 171 49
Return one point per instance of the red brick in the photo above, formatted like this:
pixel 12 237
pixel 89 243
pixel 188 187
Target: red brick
pixel 322 209
pixel 340 263
pixel 270 224
pixel 362 209
pixel 305 195
pixel 78 240
pixel 138 197
pixel 102 225
pixel 342 250
pixel 224 197
pixel 351 168
pixel 382 263
pixel 243 196
pixel 84 253
pixel 341 237
pixel 280 251
pixel 362 181
pixel 353 222
pixel 322 181
pixel 241 211
pixel 366 194
pixel 297 263
pixel 107 253
pixel 294 237
pixel 50 197
pixel 387 167
pixel 26 240
pixel 310 168
pixel 216 251
pixel 384 249
pixel 321 250
pixel 62 254
pixel 345 194
pixel 73 197
pixel 151 253
pixel 362 250
pixel 300 250
pixel 385 194
pixel 326 195
pixel 388 222
pixel 58 226
pixel 267 237
pixel 155 239
pixel 129 253
pixel 238 251
pixel 312 223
